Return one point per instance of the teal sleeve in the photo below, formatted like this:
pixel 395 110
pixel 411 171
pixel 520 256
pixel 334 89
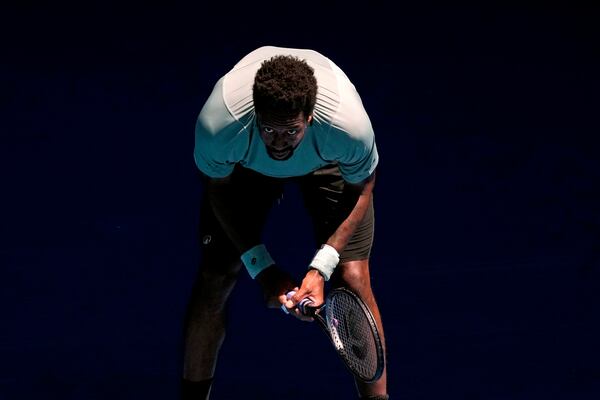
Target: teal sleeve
pixel 215 136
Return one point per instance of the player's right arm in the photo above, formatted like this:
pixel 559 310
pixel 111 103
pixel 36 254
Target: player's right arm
pixel 243 223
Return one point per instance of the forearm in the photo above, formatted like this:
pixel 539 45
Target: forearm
pixel 352 208
pixel 242 216
pixel 235 214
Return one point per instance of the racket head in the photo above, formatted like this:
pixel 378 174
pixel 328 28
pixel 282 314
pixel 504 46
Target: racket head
pixel 354 334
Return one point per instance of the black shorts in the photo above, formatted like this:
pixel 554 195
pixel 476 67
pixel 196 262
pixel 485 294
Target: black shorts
pixel 321 191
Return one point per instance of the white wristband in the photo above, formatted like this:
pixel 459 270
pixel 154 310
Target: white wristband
pixel 325 261
pixel 257 259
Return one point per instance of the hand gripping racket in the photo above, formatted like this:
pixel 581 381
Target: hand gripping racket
pixel 351 328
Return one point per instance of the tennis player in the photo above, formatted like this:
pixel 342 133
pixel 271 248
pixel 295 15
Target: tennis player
pixel 280 114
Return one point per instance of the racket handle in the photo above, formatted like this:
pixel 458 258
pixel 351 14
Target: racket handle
pixel 304 303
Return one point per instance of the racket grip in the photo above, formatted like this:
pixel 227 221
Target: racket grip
pixel 306 302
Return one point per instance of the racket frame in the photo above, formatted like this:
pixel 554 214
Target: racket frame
pixel 316 312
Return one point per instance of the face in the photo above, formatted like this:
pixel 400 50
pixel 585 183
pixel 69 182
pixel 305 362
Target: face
pixel 282 134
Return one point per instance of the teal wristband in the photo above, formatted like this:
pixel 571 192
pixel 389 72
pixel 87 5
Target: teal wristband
pixel 257 259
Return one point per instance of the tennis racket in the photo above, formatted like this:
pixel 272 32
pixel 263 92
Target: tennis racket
pixel 350 326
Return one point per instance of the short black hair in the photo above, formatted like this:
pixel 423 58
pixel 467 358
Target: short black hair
pixel 285 85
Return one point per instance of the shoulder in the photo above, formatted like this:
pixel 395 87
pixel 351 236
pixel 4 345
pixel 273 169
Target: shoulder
pixel 339 104
pixel 351 115
pixel 214 115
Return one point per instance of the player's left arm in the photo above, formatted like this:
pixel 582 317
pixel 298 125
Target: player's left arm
pixel 354 205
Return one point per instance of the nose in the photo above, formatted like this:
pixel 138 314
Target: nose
pixel 278 141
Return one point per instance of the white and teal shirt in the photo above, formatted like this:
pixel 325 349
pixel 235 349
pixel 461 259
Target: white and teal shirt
pixel 341 132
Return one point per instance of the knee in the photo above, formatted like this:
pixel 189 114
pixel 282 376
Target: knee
pixel 221 273
pixel 214 284
pixel 354 275
pixel 218 278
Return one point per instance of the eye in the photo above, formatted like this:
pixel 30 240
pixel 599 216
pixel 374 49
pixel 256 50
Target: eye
pixel 266 129
pixel 292 131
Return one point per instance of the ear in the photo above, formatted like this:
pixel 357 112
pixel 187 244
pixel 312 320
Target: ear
pixel 309 119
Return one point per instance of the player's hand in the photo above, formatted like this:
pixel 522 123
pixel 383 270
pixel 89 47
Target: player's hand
pixel 275 283
pixel 313 288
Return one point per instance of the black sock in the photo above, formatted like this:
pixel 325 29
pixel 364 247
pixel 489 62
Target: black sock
pixel 195 390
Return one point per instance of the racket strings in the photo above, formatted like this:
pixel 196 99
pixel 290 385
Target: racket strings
pixel 352 334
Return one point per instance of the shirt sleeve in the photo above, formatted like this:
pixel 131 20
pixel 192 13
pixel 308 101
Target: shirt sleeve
pixel 351 139
pixel 215 136
pixel 356 155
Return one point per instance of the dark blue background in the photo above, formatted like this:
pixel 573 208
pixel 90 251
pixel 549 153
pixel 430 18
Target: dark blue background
pixel 486 261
